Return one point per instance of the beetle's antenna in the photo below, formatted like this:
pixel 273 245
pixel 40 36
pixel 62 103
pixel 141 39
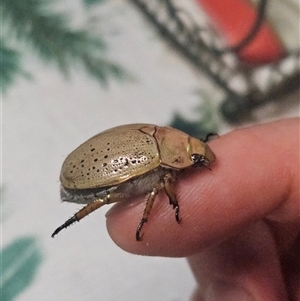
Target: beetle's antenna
pixel 209 137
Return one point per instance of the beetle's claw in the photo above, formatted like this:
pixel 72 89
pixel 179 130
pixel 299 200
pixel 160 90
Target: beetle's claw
pixel 177 217
pixel 138 235
pixel 69 222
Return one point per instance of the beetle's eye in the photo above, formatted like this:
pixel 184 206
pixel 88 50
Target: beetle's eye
pixel 198 159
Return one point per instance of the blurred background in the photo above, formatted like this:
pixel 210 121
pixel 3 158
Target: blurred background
pixel 71 69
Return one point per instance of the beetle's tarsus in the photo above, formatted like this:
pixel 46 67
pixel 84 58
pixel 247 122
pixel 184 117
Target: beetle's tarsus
pixel 146 213
pixel 177 217
pixel 83 212
pixel 69 222
pixel 138 235
pixel 169 189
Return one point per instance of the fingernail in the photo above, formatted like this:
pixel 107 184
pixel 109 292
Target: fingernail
pixel 224 291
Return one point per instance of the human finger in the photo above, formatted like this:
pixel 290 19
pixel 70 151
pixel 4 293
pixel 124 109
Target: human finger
pixel 245 267
pixel 255 176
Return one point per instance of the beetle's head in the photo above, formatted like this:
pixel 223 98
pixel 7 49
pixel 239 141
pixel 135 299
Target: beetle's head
pixel 200 153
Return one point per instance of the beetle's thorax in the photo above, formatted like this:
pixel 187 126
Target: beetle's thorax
pixel 173 146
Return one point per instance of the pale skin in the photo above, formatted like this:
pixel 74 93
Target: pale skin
pixel 240 228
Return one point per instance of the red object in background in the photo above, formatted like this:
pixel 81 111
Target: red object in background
pixel 234 19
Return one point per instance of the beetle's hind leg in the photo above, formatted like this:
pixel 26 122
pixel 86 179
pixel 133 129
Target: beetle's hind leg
pixel 86 210
pixel 169 189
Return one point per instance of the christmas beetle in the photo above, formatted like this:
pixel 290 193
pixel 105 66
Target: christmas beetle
pixel 129 160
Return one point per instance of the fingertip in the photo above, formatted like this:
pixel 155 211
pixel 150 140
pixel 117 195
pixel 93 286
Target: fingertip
pixel 244 186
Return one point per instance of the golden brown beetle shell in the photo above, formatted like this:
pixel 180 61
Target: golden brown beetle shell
pixel 125 152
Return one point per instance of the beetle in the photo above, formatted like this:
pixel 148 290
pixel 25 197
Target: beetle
pixel 129 160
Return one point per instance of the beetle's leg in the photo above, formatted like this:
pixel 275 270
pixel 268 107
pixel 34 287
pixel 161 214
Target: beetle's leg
pixel 146 213
pixel 89 208
pixel 169 189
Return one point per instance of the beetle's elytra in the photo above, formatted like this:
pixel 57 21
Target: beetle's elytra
pixel 129 160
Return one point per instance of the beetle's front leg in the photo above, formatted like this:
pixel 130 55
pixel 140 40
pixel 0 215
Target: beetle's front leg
pixel 146 213
pixel 169 189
